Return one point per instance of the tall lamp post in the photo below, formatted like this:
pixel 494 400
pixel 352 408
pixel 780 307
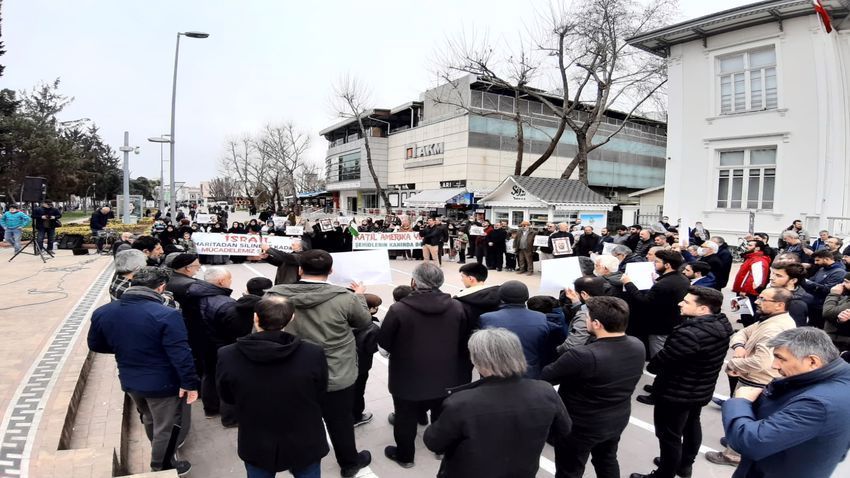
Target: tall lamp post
pixel 174 108
pixel 165 138
pixel 125 207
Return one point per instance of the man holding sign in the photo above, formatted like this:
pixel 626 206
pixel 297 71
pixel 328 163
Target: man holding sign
pixel 561 242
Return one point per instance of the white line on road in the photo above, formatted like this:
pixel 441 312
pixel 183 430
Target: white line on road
pixel 255 271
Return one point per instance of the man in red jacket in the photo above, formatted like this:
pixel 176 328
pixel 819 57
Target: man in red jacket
pixel 754 273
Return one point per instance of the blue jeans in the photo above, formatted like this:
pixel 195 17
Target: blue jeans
pixel 13 237
pixel 50 234
pixel 309 471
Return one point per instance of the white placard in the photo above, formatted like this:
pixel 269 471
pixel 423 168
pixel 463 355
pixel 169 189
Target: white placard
pixel 558 274
pixel 561 246
pixel 684 234
pixel 607 247
pixel 344 220
pixel 369 267
pixel 204 218
pixel 326 225
pixel 279 222
pixel 476 231
pixel 213 244
pixel 541 241
pixel 294 230
pixel 641 274
pixel 743 304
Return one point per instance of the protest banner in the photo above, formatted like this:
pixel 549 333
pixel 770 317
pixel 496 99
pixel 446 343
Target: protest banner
pixel 279 222
pixel 387 240
pixel 476 231
pixel 561 246
pixel 369 267
pixel 294 230
pixel 642 274
pixel 238 244
pixel 541 241
pixel 205 218
pixel 558 274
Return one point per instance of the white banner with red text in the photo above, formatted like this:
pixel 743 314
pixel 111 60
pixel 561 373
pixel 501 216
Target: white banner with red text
pixel 387 240
pixel 238 244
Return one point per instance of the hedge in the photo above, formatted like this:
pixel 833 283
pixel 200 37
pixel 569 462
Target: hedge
pixel 143 227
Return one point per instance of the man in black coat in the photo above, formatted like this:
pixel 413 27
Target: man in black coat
pixel 46 218
pixel 276 381
pixel 477 298
pixel 184 267
pixel 686 373
pixel 286 262
pixel 657 309
pixel 587 242
pixel 496 246
pixel 471 430
pixel 709 252
pixel 725 256
pixel 423 334
pixel 597 381
pixel 97 223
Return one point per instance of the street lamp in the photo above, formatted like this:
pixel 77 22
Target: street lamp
pixel 160 140
pixel 174 106
pixel 126 150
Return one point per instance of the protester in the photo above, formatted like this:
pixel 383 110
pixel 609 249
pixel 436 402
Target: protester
pixel 753 275
pixel 686 370
pixel 124 243
pixel 583 289
pixel 423 334
pixel 524 248
pixel 709 253
pixel 625 256
pixel 286 262
pixel 431 240
pixel 326 315
pixel 563 234
pixel 276 381
pixel 750 364
pixel 622 235
pixel 496 238
pixel 797 425
pixel 531 327
pixel 607 267
pixel 596 384
pixel 644 242
pixel 46 220
pixel 255 288
pixel 588 242
pixel 725 256
pixel 829 275
pixel 366 339
pixel 127 263
pixel 155 365
pixel 545 253
pixel 13 221
pixel 788 275
pixel 151 247
pixel 470 433
pixel 836 314
pixel 477 297
pixel 656 309
pixel 800 234
pixel 699 273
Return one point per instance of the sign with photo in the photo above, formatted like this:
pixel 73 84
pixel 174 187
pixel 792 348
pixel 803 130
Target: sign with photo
pixel 387 240
pixel 326 225
pixel 279 222
pixel 294 230
pixel 561 246
pixel 476 231
pixel 541 241
pixel 212 244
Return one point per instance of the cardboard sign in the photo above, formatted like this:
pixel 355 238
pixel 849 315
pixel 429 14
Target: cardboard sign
pixel 743 305
pixel 541 241
pixel 476 231
pixel 561 246
pixel 294 230
pixel 642 274
pixel 212 244
pixel 205 218
pixel 279 222
pixel 368 267
pixel 558 274
pixel 607 247
pixel 326 225
pixel 387 240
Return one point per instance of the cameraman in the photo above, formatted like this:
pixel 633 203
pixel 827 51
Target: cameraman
pixel 97 223
pixel 46 219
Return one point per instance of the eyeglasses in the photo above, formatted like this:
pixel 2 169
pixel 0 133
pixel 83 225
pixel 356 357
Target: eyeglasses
pixel 762 299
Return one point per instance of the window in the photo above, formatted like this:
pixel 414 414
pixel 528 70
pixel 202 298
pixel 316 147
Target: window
pixel 370 201
pixel 748 81
pixel 348 167
pixel 500 216
pixel 516 218
pixel 746 179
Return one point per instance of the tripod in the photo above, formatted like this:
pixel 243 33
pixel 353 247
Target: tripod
pixel 37 248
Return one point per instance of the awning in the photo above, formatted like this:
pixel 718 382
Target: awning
pixel 434 198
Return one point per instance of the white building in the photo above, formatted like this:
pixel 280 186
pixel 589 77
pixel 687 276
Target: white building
pixel 758 118
pixel 433 154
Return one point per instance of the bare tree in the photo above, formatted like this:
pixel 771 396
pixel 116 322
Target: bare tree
pixel 240 161
pixel 223 188
pixel 594 69
pixel 309 178
pixel 351 100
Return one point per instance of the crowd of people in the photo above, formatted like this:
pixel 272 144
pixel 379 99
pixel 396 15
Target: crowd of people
pixel 480 363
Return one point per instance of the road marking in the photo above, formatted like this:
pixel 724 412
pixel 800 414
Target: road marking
pixel 648 427
pixel 255 271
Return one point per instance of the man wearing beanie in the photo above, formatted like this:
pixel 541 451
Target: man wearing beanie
pixel 254 290
pixel 184 267
pixel 531 327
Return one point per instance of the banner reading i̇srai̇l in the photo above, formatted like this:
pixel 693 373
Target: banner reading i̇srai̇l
pixel 238 244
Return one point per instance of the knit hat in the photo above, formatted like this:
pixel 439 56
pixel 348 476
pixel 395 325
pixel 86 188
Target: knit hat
pixel 373 300
pixel 513 292
pixel 183 260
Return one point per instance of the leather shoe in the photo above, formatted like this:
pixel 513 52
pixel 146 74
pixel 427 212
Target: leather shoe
pixel 646 399
pixel 720 458
pixel 683 472
pixel 391 452
pixel 363 460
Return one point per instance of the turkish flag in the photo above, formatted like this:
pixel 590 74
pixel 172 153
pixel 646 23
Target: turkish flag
pixel 823 14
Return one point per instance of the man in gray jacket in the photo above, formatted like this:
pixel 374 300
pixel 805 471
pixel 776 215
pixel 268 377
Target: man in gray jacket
pixel 325 314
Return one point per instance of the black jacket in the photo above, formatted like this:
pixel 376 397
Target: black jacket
pixel 99 220
pixel 558 235
pixel 45 224
pixel 431 236
pixel 687 367
pixel 218 312
pixel 178 285
pixel 498 238
pixel 477 303
pixel 656 310
pixel 642 247
pixel 287 266
pixel 476 418
pixel 597 381
pixel 725 256
pixel 718 268
pixel 628 259
pixel 424 335
pixel 276 381
pixel 587 243
pixel 245 313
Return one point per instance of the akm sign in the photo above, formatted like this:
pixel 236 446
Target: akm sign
pixel 415 151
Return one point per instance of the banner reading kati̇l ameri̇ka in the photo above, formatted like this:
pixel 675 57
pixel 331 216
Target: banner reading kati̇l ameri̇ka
pixel 238 244
pixel 387 240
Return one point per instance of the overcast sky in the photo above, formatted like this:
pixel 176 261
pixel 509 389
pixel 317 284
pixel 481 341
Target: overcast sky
pixel 265 61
